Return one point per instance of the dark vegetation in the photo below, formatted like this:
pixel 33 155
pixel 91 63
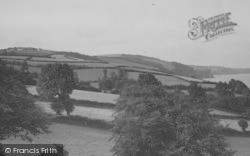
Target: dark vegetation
pixel 165 66
pixel 36 52
pixel 114 83
pixel 243 124
pixel 95 104
pixel 19 116
pixel 184 70
pixel 83 121
pixel 150 120
pixel 233 96
pixel 56 82
pixel 28 51
pixel 84 85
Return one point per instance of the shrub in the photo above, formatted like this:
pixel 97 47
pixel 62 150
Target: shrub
pixel 243 124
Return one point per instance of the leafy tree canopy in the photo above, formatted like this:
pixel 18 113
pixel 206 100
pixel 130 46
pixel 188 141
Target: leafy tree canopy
pixel 149 121
pixel 148 79
pixel 19 116
pixel 56 82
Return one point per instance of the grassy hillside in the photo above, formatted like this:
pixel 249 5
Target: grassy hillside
pixel 216 70
pixel 36 57
pixel 37 52
pixel 156 64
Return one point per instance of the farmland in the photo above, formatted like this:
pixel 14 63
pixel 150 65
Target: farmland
pixel 85 95
pixel 106 114
pixel 90 68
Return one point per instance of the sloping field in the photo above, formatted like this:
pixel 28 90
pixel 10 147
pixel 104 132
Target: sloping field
pixel 189 78
pixel 13 57
pixel 165 64
pixel 166 80
pixel 89 112
pixel 62 59
pixel 85 95
pixel 119 61
pixel 106 114
pixel 78 141
pixel 28 51
pixel 239 144
pixel 94 96
pixel 93 74
pixel 232 123
pixel 93 64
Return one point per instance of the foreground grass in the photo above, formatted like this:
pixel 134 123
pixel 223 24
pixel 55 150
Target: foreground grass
pixel 77 140
pixel 83 121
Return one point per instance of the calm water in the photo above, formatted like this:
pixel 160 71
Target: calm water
pixel 225 78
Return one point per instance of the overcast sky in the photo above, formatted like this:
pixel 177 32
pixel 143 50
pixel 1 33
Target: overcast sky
pixel 156 28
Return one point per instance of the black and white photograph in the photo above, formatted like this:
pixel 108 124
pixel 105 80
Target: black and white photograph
pixel 124 78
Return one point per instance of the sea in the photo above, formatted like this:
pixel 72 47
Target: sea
pixel 245 78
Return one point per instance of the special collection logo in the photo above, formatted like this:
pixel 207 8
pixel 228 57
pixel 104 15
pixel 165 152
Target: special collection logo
pixel 211 28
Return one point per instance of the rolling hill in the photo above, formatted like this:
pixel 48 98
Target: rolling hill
pixel 217 70
pixel 91 68
pixel 139 61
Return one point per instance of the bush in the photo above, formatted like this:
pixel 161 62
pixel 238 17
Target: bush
pixel 243 124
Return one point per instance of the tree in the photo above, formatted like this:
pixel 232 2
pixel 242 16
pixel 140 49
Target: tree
pixel 196 93
pixel 142 127
pixel 150 121
pixel 24 66
pixel 148 79
pixel 105 73
pixel 239 87
pixel 19 116
pixel 56 81
pixel 223 89
pixel 243 124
